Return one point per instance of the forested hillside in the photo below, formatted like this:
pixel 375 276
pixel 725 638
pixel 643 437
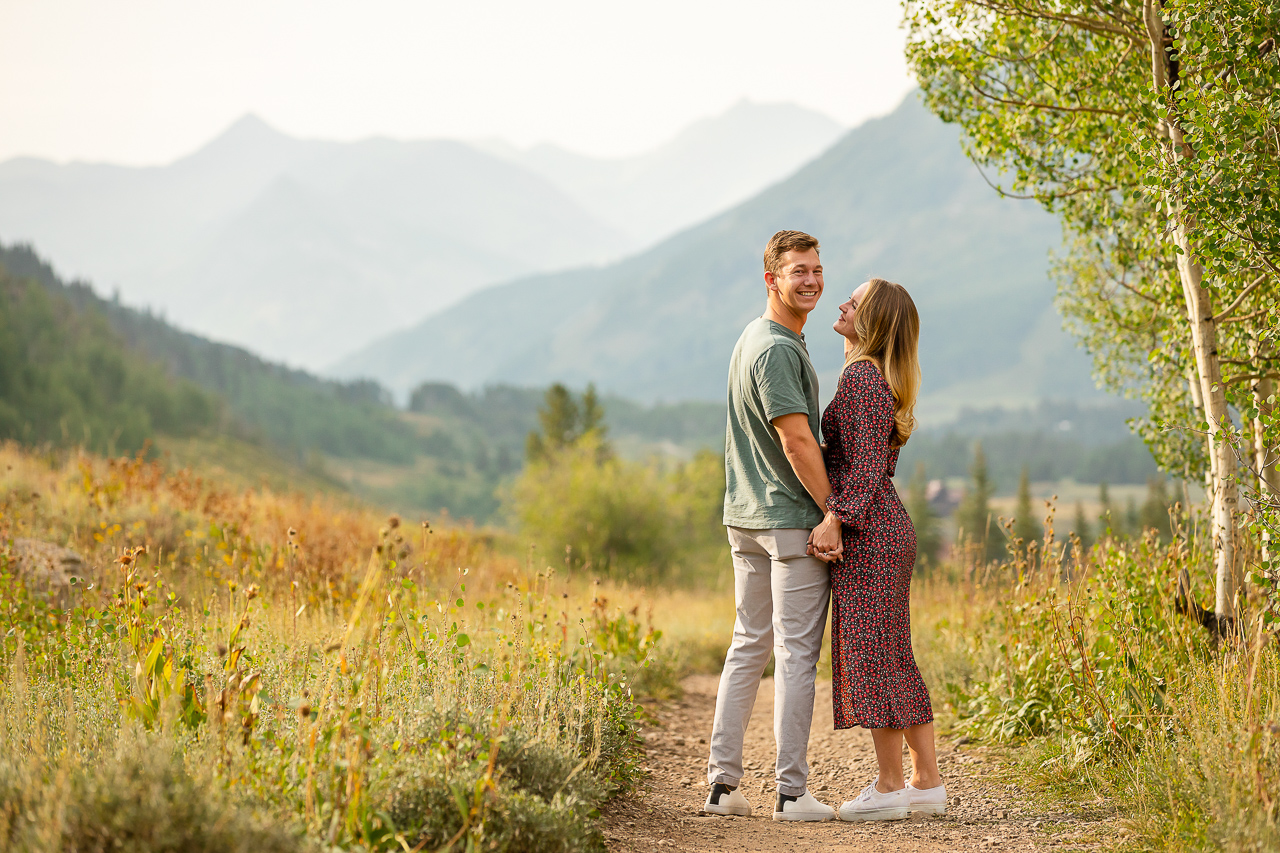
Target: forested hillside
pixel 79 369
pixel 65 377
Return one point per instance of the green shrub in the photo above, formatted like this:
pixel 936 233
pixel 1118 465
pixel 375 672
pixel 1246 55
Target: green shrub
pixel 430 811
pixel 1092 654
pixel 140 799
pixel 624 519
pixel 605 514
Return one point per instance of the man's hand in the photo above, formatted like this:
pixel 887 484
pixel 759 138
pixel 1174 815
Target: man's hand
pixel 825 541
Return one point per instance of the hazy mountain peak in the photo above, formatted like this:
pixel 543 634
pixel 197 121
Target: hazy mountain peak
pixel 706 168
pixel 247 140
pixel 756 117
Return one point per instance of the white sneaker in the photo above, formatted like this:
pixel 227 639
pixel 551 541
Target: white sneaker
pixel 803 807
pixel 726 801
pixel 873 805
pixel 928 800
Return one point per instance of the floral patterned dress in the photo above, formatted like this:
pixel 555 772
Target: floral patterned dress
pixel 875 681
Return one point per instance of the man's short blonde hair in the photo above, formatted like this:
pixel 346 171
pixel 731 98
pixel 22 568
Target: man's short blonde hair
pixel 783 242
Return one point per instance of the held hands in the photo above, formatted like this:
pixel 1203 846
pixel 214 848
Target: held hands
pixel 825 542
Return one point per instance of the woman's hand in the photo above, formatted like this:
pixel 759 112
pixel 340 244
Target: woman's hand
pixel 824 540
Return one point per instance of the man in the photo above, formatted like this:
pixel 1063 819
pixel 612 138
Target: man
pixel 775 482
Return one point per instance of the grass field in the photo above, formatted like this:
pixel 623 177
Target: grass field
pixel 245 670
pixel 232 667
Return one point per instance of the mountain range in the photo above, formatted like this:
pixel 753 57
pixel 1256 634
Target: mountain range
pixel 305 250
pixel 894 198
pixel 710 166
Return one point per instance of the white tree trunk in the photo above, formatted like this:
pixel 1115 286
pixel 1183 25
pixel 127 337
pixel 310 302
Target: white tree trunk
pixel 1204 340
pixel 1225 492
pixel 1193 382
pixel 1265 459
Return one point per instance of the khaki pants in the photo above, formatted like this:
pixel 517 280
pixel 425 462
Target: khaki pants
pixel 781 595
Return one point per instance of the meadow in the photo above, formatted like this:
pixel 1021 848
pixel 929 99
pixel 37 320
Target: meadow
pixel 248 670
pixel 236 668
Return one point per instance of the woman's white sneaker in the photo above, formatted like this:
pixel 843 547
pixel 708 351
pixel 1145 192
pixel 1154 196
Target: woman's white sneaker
pixel 803 807
pixel 873 805
pixel 726 801
pixel 928 800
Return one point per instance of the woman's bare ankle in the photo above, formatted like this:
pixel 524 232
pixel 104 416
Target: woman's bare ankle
pixel 924 783
pixel 888 787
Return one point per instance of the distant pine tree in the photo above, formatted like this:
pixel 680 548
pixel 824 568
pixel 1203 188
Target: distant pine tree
pixel 566 421
pixel 923 519
pixel 973 516
pixel 1155 509
pixel 1132 520
pixel 1082 530
pixel 591 413
pixel 1105 521
pixel 1025 524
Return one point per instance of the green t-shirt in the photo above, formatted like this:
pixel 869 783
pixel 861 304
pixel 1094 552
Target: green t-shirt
pixel 769 375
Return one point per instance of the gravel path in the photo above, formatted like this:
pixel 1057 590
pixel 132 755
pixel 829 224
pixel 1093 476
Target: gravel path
pixel 984 812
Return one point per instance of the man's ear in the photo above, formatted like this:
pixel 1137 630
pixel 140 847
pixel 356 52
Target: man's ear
pixel 770 280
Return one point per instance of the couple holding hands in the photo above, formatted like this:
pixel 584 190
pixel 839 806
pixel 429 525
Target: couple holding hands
pixel 813 523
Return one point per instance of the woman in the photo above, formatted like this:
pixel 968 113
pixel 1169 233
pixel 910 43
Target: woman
pixel 875 681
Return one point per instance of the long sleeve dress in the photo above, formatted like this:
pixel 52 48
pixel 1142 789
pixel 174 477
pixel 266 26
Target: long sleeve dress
pixel 875 680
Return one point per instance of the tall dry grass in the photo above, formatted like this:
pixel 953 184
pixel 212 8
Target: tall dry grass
pixel 1102 689
pixel 254 670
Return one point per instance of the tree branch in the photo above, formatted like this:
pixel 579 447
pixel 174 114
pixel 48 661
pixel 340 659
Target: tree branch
pixel 1243 317
pixel 1226 312
pixel 1092 25
pixel 1034 105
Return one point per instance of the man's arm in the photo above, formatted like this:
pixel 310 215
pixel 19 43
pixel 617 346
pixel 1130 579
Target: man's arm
pixel 805 456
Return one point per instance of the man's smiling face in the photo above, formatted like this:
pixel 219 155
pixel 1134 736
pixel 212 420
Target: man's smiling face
pixel 798 281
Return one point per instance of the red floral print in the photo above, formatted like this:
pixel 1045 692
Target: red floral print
pixel 876 683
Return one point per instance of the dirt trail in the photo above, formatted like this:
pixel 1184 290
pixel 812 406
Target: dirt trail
pixel 665 814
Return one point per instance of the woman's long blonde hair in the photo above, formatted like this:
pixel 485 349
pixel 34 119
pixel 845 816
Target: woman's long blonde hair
pixel 888 328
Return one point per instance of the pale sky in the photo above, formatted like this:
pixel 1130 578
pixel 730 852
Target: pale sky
pixel 146 81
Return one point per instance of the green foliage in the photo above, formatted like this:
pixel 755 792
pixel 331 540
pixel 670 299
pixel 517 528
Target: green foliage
pixel 923 519
pixel 565 422
pixel 1093 655
pixel 1263 522
pixel 606 514
pixel 138 797
pixel 1226 105
pixel 1026 527
pixel 974 522
pixel 1108 522
pixel 601 514
pixel 1097 675
pixel 66 377
pixel 1082 529
pixel 287 409
pixel 1059 99
pixel 247 692
pixel 593 511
